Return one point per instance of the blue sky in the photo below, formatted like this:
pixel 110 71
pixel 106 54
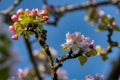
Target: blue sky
pixel 70 22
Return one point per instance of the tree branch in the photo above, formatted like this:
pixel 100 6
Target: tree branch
pixel 111 43
pixel 60 11
pixel 41 37
pixel 115 71
pixel 28 46
pixel 12 7
pixel 63 58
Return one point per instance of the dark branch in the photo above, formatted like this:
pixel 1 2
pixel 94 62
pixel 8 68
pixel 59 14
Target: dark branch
pixel 28 46
pixel 41 37
pixel 111 43
pixel 115 71
pixel 63 58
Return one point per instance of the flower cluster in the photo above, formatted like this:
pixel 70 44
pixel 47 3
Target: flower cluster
pixel 76 42
pixel 106 22
pixel 25 20
pixel 97 77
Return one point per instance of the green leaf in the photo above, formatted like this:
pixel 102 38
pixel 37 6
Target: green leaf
pixel 41 19
pixel 101 28
pixel 19 31
pixel 40 27
pixel 116 28
pixel 64 48
pixel 82 60
pixel 92 52
pixel 105 20
pixel 16 24
pixel 104 57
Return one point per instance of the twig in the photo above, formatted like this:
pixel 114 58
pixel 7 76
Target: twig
pixel 63 58
pixel 28 45
pixel 111 43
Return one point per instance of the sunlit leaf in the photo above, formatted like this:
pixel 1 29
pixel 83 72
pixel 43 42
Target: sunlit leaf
pixel 104 57
pixel 105 20
pixel 82 60
pixel 116 28
pixel 101 28
pixel 92 52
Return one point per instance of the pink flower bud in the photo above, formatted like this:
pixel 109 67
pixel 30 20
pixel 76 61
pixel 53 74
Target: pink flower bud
pixel 51 7
pixel 114 24
pixel 31 14
pixel 15 37
pixel 46 18
pixel 19 11
pixel 12 29
pixel 14 18
pixel 34 11
pixel 27 10
pixel 42 13
pixel 91 46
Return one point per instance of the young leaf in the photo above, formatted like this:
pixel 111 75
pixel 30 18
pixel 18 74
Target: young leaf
pixel 19 31
pixel 104 57
pixel 101 28
pixel 82 59
pixel 116 28
pixel 92 52
pixel 105 20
